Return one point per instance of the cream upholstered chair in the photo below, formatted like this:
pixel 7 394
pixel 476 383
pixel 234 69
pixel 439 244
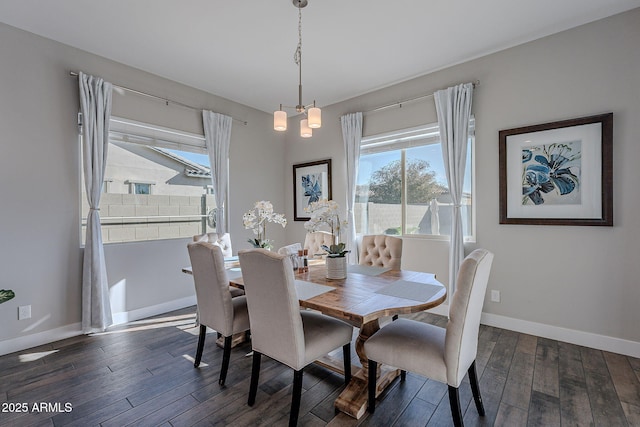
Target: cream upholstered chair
pixel 280 330
pixel 224 243
pixel 292 252
pixel 442 354
pixel 314 241
pixel 381 251
pixel 216 308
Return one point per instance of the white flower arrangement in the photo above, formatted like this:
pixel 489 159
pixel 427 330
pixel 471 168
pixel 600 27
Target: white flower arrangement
pixel 326 214
pixel 256 219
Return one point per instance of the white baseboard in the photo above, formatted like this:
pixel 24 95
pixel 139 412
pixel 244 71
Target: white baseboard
pixel 153 310
pixel 40 338
pixel 572 336
pixel 586 339
pixel 63 332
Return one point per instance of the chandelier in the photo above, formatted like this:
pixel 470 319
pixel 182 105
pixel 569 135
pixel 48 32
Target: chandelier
pixel 313 118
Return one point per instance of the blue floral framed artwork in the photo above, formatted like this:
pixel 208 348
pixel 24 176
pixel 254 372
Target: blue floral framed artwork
pixel 311 182
pixel 558 173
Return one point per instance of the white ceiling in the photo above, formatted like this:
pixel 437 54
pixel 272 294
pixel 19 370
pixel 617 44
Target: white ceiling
pixel 243 50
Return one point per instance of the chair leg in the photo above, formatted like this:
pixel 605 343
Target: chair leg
pixel 456 411
pixel 475 388
pixel 373 367
pixel 295 398
pixel 255 375
pixel 346 356
pixel 203 334
pixel 226 356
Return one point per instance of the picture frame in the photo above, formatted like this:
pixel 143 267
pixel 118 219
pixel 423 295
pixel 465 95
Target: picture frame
pixel 311 182
pixel 558 173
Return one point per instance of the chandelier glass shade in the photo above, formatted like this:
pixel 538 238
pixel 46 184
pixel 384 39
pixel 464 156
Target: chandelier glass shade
pixel 313 114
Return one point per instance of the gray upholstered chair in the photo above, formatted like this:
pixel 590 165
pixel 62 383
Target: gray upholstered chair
pixel 216 307
pixel 442 354
pixel 280 330
pixel 314 241
pixel 381 251
pixel 224 243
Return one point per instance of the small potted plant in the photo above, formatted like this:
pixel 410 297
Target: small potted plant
pixel 257 218
pixel 326 214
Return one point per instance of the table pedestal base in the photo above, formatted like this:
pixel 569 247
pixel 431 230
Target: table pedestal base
pixel 235 341
pixel 354 398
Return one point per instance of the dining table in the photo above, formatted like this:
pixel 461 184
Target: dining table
pixel 363 298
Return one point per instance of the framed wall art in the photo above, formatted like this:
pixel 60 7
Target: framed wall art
pixel 558 173
pixel 311 182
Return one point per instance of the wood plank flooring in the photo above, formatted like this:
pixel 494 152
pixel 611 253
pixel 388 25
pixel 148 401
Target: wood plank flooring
pixel 142 374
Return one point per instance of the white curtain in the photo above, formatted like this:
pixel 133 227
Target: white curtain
pixel 352 136
pixel 217 135
pixel 453 106
pixel 95 106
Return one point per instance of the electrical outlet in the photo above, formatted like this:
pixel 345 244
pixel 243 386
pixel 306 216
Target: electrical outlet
pixel 24 312
pixel 495 296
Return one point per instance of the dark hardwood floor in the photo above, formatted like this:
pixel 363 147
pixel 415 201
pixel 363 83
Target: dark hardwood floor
pixel 142 374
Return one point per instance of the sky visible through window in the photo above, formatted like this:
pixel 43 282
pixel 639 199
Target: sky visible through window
pixel 201 159
pixel 432 153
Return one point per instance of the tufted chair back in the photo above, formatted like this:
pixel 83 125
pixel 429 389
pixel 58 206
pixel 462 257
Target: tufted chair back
pixel 314 241
pixel 381 251
pixel 223 242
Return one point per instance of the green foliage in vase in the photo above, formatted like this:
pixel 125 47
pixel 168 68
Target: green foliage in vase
pixel 6 295
pixel 335 251
pixel 264 244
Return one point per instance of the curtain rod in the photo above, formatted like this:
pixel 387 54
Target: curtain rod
pixel 406 101
pixel 166 100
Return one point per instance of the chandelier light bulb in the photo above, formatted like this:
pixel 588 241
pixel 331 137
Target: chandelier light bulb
pixel 280 120
pixel 314 115
pixel 305 130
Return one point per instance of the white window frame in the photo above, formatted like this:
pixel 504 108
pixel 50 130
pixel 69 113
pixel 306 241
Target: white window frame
pixel 133 183
pixel 416 137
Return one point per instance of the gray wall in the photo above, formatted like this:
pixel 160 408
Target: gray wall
pixel 574 283
pixel 41 255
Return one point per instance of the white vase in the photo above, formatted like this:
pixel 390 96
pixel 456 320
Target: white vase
pixel 336 267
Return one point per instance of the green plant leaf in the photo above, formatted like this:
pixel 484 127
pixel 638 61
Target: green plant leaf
pixel 6 295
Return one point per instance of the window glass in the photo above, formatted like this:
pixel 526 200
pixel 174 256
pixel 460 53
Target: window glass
pixel 141 188
pixel 154 191
pixel 402 186
pixel 378 207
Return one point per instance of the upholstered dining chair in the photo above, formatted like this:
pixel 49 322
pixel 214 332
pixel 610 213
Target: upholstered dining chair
pixel 280 330
pixel 381 250
pixel 217 309
pixel 442 354
pixel 313 242
pixel 224 243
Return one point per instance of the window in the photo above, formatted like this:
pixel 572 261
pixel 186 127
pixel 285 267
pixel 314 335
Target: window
pixel 140 187
pixel 402 187
pixel 159 185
